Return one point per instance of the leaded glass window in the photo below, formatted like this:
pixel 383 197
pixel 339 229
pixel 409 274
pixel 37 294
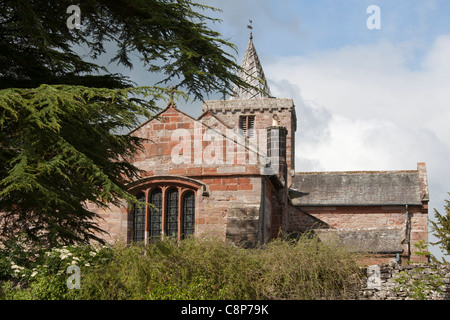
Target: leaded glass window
pixel 172 213
pixel 155 222
pixel 188 214
pixel 139 220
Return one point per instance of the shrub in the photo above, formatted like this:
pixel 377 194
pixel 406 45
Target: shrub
pixel 307 269
pixel 195 268
pixel 210 269
pixel 39 274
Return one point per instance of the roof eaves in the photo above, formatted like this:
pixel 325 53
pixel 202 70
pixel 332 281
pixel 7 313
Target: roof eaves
pixel 354 204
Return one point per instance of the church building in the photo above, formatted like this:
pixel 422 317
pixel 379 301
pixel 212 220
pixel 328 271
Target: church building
pixel 230 174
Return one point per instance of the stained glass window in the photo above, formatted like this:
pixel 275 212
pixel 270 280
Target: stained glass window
pixel 188 214
pixel 155 222
pixel 172 213
pixel 139 220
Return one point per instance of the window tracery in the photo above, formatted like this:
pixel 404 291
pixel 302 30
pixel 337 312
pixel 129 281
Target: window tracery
pixel 172 212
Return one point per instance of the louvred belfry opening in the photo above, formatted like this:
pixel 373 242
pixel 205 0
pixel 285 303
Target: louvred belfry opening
pixel 247 126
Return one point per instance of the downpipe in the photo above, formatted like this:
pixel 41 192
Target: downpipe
pixel 408 232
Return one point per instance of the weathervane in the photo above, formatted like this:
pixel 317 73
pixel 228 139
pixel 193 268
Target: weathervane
pixel 171 101
pixel 250 26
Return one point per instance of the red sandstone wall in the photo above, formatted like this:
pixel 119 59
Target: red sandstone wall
pixel 376 217
pixel 231 206
pixel 300 221
pixel 156 159
pixel 115 221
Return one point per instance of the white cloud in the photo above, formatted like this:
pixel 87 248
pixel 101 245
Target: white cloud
pixel 372 101
pixel 437 60
pixel 371 107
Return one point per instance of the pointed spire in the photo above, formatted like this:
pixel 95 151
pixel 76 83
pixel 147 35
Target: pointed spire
pixel 253 74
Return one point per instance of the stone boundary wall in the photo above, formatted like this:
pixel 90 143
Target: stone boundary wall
pixel 391 281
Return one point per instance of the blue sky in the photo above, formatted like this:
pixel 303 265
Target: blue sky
pixel 292 27
pixel 365 99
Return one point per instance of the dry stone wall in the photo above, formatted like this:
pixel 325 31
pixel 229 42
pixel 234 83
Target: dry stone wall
pixel 391 281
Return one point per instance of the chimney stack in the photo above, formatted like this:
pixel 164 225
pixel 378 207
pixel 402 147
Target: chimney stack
pixel 276 150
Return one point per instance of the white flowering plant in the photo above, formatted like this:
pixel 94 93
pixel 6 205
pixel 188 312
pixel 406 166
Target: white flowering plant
pixel 41 273
pixel 57 260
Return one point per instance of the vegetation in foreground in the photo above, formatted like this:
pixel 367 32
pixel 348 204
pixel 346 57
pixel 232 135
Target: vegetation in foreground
pixel 193 269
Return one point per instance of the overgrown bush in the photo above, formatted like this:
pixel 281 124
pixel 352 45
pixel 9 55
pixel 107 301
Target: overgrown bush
pixel 210 269
pixel 195 269
pixel 40 274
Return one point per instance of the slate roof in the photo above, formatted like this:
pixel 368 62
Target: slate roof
pixel 375 241
pixel 356 188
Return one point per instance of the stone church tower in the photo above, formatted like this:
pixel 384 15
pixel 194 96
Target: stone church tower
pixel 267 123
pixel 254 109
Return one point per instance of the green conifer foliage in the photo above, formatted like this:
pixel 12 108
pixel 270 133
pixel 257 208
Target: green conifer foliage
pixel 171 37
pixel 441 228
pixel 61 146
pixel 62 116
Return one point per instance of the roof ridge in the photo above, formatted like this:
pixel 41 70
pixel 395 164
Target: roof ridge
pixel 246 145
pixel 208 111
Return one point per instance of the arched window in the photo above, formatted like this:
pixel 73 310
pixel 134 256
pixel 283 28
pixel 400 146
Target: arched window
pixel 188 214
pixel 139 220
pixel 172 213
pixel 155 217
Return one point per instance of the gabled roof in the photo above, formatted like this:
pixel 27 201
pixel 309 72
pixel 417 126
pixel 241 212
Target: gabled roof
pixel 252 73
pixel 208 113
pixel 157 116
pixel 171 105
pixel 356 188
